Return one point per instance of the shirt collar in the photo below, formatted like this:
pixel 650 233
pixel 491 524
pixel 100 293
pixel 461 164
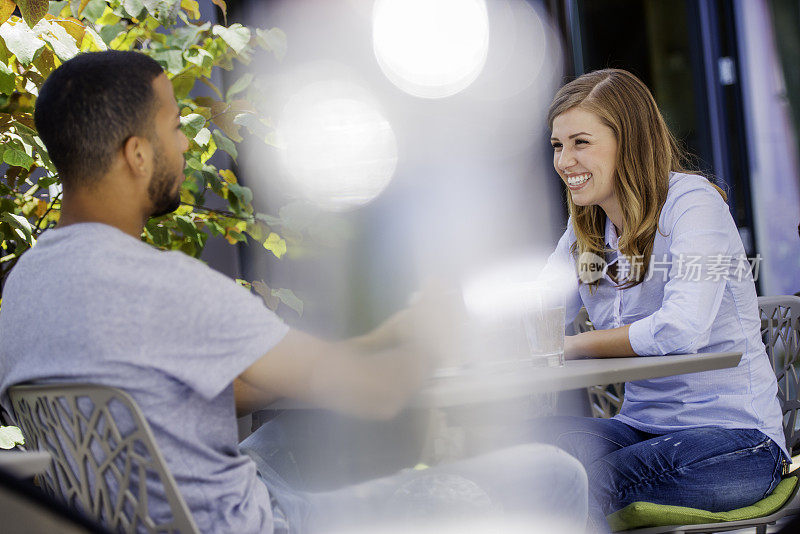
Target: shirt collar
pixel 612 239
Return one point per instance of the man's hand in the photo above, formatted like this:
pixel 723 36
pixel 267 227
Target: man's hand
pixel 431 325
pixel 369 376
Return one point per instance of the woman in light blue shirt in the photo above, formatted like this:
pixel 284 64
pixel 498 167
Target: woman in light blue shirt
pixel 675 279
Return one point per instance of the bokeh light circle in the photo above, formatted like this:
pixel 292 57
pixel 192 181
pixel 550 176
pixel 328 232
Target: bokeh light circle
pixel 340 151
pixel 430 48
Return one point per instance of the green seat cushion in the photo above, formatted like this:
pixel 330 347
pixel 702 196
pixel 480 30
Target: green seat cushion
pixel 647 514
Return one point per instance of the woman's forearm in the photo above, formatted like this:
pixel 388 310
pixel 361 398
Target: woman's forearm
pixel 611 343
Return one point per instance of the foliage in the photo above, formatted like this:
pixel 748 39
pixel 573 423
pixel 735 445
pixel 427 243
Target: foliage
pixel 49 33
pixel 10 437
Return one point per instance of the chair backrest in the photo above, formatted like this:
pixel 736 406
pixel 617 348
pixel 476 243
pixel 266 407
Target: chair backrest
pixel 105 460
pixel 780 330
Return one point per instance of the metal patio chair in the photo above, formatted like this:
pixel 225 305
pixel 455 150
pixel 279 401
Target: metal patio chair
pixel 105 461
pixel 780 331
pixel 605 400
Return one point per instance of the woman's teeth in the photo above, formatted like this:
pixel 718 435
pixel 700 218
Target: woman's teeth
pixel 578 179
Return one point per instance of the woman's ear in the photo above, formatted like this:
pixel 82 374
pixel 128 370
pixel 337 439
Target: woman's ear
pixel 138 155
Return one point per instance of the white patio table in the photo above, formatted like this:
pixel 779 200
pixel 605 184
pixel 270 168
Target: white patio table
pixel 518 380
pixel 481 386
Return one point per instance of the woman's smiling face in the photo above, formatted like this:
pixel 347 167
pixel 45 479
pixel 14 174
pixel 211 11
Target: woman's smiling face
pixel 585 156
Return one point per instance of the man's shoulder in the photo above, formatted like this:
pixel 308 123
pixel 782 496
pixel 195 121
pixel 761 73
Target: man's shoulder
pixel 99 247
pixel 76 266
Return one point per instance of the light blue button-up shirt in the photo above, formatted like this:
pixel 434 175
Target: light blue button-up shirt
pixel 698 296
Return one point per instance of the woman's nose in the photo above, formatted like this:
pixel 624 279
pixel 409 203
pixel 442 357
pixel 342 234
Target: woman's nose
pixel 566 159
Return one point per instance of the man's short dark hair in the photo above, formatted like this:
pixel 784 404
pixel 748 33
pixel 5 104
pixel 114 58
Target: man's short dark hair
pixel 89 106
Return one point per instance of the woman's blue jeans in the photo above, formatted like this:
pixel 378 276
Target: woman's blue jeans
pixel 713 469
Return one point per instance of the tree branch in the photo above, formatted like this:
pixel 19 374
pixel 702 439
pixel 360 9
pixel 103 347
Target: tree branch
pixel 224 213
pixel 53 201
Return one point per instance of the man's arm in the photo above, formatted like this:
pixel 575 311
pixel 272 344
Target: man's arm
pixel 248 398
pixel 341 376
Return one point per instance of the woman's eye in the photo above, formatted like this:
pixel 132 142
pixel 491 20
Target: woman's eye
pixel 581 142
pixel 556 146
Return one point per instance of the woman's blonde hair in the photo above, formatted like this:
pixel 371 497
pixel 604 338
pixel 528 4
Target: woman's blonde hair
pixel 647 152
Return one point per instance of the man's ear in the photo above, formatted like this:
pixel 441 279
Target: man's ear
pixel 138 155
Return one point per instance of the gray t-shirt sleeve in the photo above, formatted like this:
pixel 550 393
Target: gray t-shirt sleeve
pixel 203 329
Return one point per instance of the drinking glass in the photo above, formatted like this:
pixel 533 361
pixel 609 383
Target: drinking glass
pixel 543 323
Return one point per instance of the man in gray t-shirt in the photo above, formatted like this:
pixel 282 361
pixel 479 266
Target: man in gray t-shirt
pixel 92 303
pixel 160 325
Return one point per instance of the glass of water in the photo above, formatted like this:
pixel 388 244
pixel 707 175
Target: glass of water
pixel 543 322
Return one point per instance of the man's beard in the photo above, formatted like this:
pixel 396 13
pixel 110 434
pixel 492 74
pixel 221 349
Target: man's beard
pixel 162 192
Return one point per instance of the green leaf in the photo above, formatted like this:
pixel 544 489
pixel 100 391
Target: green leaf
pixel 43 155
pixel 7 79
pixel 186 36
pixel 157 233
pixel 46 181
pixel 32 11
pixel 193 162
pixel 5 55
pixel 96 39
pixel 21 41
pixel 17 158
pixel 215 227
pixel 224 7
pixel 225 144
pixel 240 85
pixel 189 229
pixel 164 11
pixel 94 10
pixel 202 137
pixel 241 192
pixel 190 7
pixel 269 219
pixel 273 39
pixel 20 225
pixel 10 436
pixel 275 244
pixel 253 125
pixel 263 290
pixel 109 33
pixel 257 230
pixel 192 124
pixel 56 7
pixel 236 36
pixel 172 60
pixel 107 17
pixel 134 8
pixel 200 57
pixel 209 151
pixel 234 236
pixel 288 297
pixel 56 35
pixel 182 84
